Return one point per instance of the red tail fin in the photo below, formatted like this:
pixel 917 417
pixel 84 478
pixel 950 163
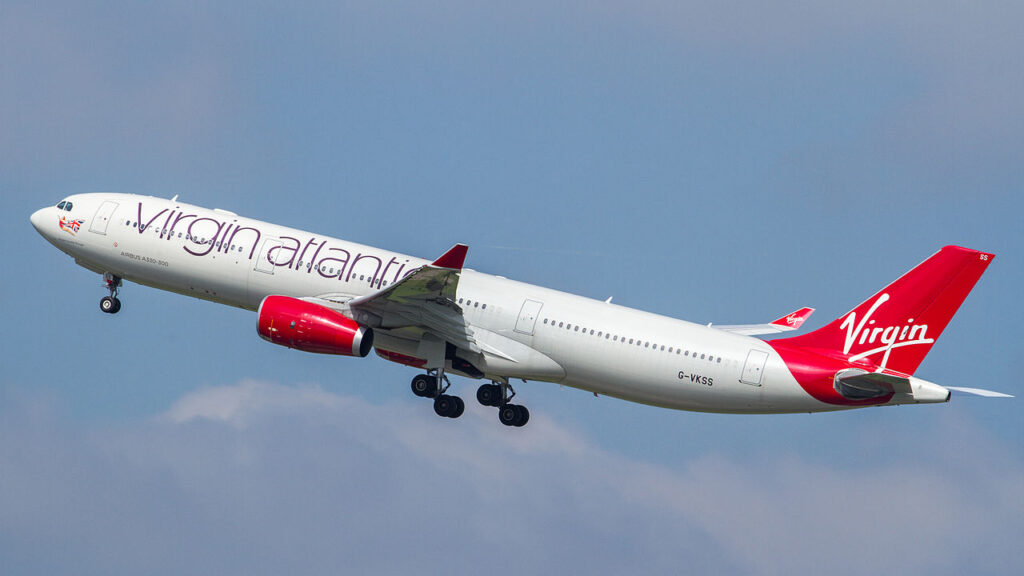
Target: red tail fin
pixel 896 328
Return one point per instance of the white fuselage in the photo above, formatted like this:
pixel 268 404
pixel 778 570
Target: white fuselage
pixel 533 333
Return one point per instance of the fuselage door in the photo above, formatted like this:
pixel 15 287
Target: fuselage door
pixel 528 316
pixel 102 218
pixel 754 368
pixel 265 262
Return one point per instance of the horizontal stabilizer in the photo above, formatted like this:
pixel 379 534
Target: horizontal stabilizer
pixel 790 321
pixel 978 392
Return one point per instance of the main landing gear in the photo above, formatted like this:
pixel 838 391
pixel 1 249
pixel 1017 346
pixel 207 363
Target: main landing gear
pixel 110 304
pixel 498 395
pixel 434 384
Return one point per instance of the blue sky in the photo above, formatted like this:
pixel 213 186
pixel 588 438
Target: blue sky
pixel 722 162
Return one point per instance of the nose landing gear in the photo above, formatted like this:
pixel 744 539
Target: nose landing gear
pixel 110 304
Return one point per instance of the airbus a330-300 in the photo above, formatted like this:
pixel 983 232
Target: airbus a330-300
pixel 329 296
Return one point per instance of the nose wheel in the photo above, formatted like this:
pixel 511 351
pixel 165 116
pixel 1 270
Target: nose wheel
pixel 110 304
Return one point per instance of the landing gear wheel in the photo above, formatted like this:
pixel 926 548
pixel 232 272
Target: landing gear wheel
pixel 522 418
pixel 424 386
pixel 489 395
pixel 449 406
pixel 110 305
pixel 509 414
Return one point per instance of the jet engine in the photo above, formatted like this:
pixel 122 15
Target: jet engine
pixel 312 328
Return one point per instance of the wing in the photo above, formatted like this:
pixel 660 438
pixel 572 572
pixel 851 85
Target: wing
pixel 790 321
pixel 424 299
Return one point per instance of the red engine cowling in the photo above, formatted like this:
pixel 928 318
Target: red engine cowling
pixel 312 328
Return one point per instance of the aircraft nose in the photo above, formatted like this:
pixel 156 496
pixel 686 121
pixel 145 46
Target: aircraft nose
pixel 38 219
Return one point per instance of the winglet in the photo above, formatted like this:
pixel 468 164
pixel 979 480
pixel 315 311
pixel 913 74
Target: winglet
pixel 453 258
pixel 793 320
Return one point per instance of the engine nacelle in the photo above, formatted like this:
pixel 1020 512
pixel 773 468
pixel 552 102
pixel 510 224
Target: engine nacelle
pixel 312 328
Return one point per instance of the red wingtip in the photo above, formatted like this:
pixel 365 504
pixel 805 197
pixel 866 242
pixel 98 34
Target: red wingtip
pixel 453 258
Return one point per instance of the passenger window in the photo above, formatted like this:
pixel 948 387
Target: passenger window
pixel 630 340
pixel 702 356
pixel 560 324
pixel 476 304
pixel 719 360
pixel 484 307
pixel 647 344
pixel 577 328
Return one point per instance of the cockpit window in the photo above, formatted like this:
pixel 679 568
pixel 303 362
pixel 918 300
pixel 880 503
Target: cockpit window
pixel 67 206
pixel 61 205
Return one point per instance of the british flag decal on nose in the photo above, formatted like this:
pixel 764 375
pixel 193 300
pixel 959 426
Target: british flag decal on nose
pixel 70 226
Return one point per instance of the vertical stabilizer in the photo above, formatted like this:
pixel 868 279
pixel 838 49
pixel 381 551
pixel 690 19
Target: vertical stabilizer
pixel 895 328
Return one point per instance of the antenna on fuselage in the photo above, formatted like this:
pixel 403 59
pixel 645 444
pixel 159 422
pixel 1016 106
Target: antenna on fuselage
pixel 175 199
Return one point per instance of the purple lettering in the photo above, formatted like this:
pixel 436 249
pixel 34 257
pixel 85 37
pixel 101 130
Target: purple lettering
pixel 196 233
pixel 255 241
pixel 293 251
pixel 142 226
pixel 342 263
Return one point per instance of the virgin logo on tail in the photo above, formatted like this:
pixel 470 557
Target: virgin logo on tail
pixel 865 332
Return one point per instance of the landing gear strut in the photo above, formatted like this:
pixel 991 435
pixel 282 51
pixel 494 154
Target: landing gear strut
pixel 110 304
pixel 434 384
pixel 498 395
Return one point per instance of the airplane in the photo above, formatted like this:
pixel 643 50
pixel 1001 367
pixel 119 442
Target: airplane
pixel 325 295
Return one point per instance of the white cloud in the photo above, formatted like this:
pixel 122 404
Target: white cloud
pixel 261 478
